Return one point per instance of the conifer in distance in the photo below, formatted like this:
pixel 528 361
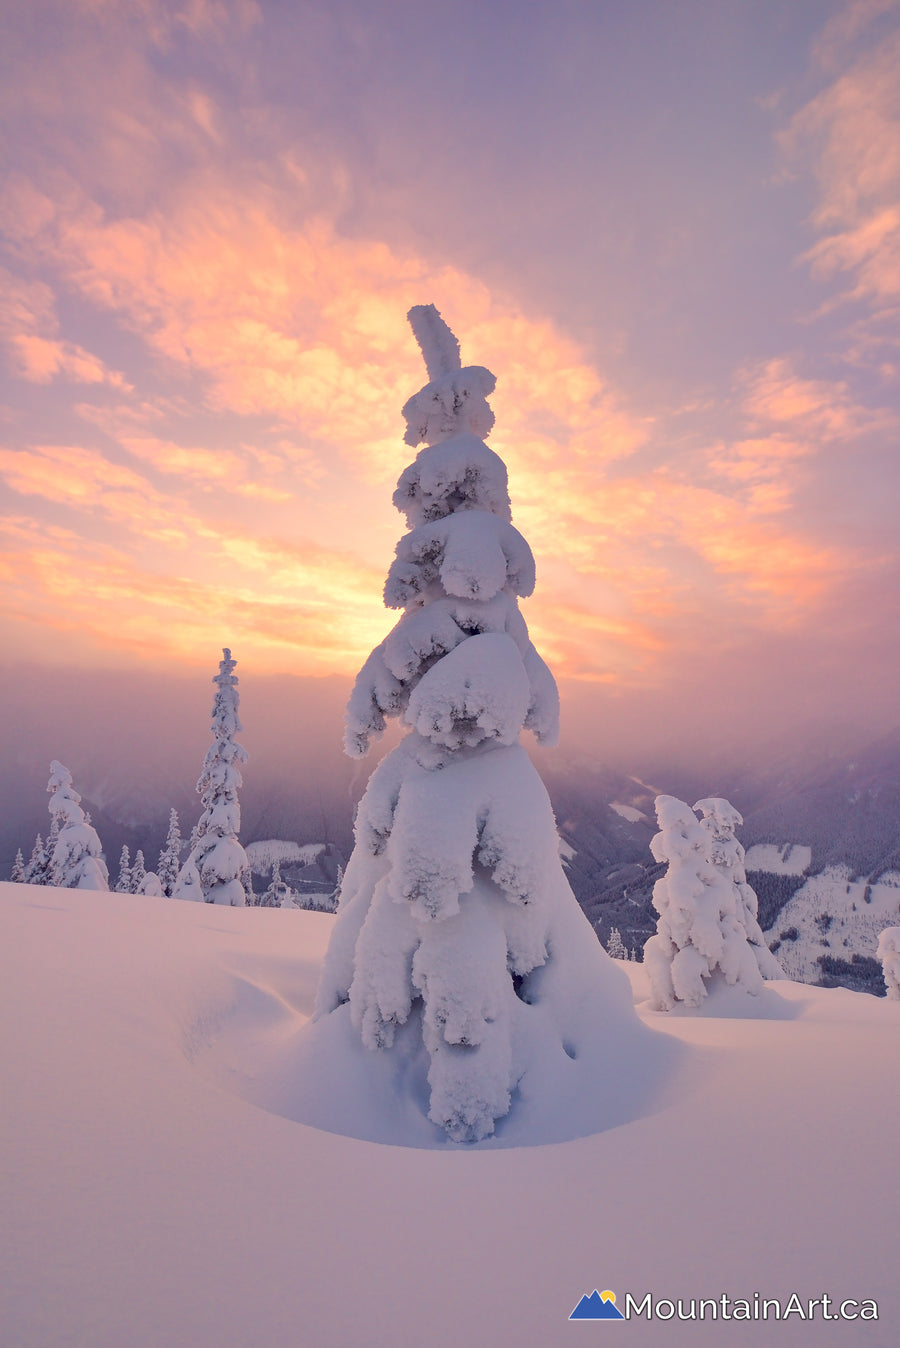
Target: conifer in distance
pixel 77 858
pixel 217 865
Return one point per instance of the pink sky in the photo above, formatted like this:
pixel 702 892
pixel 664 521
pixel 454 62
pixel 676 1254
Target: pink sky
pixel 672 232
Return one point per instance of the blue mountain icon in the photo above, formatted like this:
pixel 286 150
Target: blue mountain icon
pixel 597 1307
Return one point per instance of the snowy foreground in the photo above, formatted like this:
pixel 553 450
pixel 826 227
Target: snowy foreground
pixel 148 1200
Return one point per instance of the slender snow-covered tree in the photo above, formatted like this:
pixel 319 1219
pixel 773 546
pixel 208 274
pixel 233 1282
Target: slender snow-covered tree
pixel 18 869
pixel 138 873
pixel 458 943
pixel 701 918
pixel 277 890
pixel 170 857
pixel 889 954
pixel 615 946
pixel 38 863
pixel 123 883
pixel 77 858
pixel 720 819
pixel 216 868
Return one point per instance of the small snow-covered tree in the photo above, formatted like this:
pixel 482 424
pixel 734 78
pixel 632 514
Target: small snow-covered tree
pixel 170 857
pixel 38 862
pixel 458 942
pixel 720 819
pixel 278 893
pixel 138 873
pixel 77 858
pixel 123 883
pixel 700 928
pixel 889 954
pixel 17 874
pixel 217 865
pixel 615 946
pixel 150 885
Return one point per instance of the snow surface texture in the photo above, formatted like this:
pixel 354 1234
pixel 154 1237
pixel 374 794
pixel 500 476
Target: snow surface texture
pixel 76 861
pixel 707 912
pixel 889 954
pixel 778 858
pixel 157 1191
pixel 215 869
pixel 460 959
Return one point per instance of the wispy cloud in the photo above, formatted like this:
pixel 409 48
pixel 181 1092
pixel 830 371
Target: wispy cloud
pixel 29 329
pixel 851 133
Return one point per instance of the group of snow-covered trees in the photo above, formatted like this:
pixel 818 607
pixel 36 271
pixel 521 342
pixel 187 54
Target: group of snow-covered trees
pixel 216 869
pixel 459 952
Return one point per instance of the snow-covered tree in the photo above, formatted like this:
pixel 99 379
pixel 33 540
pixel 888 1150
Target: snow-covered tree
pixel 216 868
pixel 38 863
pixel 149 884
pixel 700 928
pixel 720 819
pixel 615 946
pixel 889 954
pixel 123 883
pixel 77 858
pixel 278 893
pixel 457 932
pixel 138 873
pixel 18 869
pixel 170 857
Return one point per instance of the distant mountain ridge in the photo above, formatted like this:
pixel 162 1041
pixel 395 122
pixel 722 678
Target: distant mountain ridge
pixel 135 748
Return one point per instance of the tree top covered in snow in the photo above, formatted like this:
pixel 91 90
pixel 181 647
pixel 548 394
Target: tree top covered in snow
pixel 457 575
pixel 455 398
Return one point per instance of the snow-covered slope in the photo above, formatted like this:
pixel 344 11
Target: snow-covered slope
pixel 831 919
pixel 263 855
pixel 778 858
pixel 147 1203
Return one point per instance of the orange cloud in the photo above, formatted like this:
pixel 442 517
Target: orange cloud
pixel 852 131
pixel 288 342
pixel 28 327
pixel 54 578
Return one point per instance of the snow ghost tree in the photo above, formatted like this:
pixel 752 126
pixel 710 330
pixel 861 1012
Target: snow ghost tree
pixel 169 862
pixel 702 925
pixel 889 954
pixel 76 861
pixel 138 873
pixel 459 948
pixel 17 874
pixel 123 883
pixel 615 946
pixel 720 819
pixel 215 869
pixel 38 863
